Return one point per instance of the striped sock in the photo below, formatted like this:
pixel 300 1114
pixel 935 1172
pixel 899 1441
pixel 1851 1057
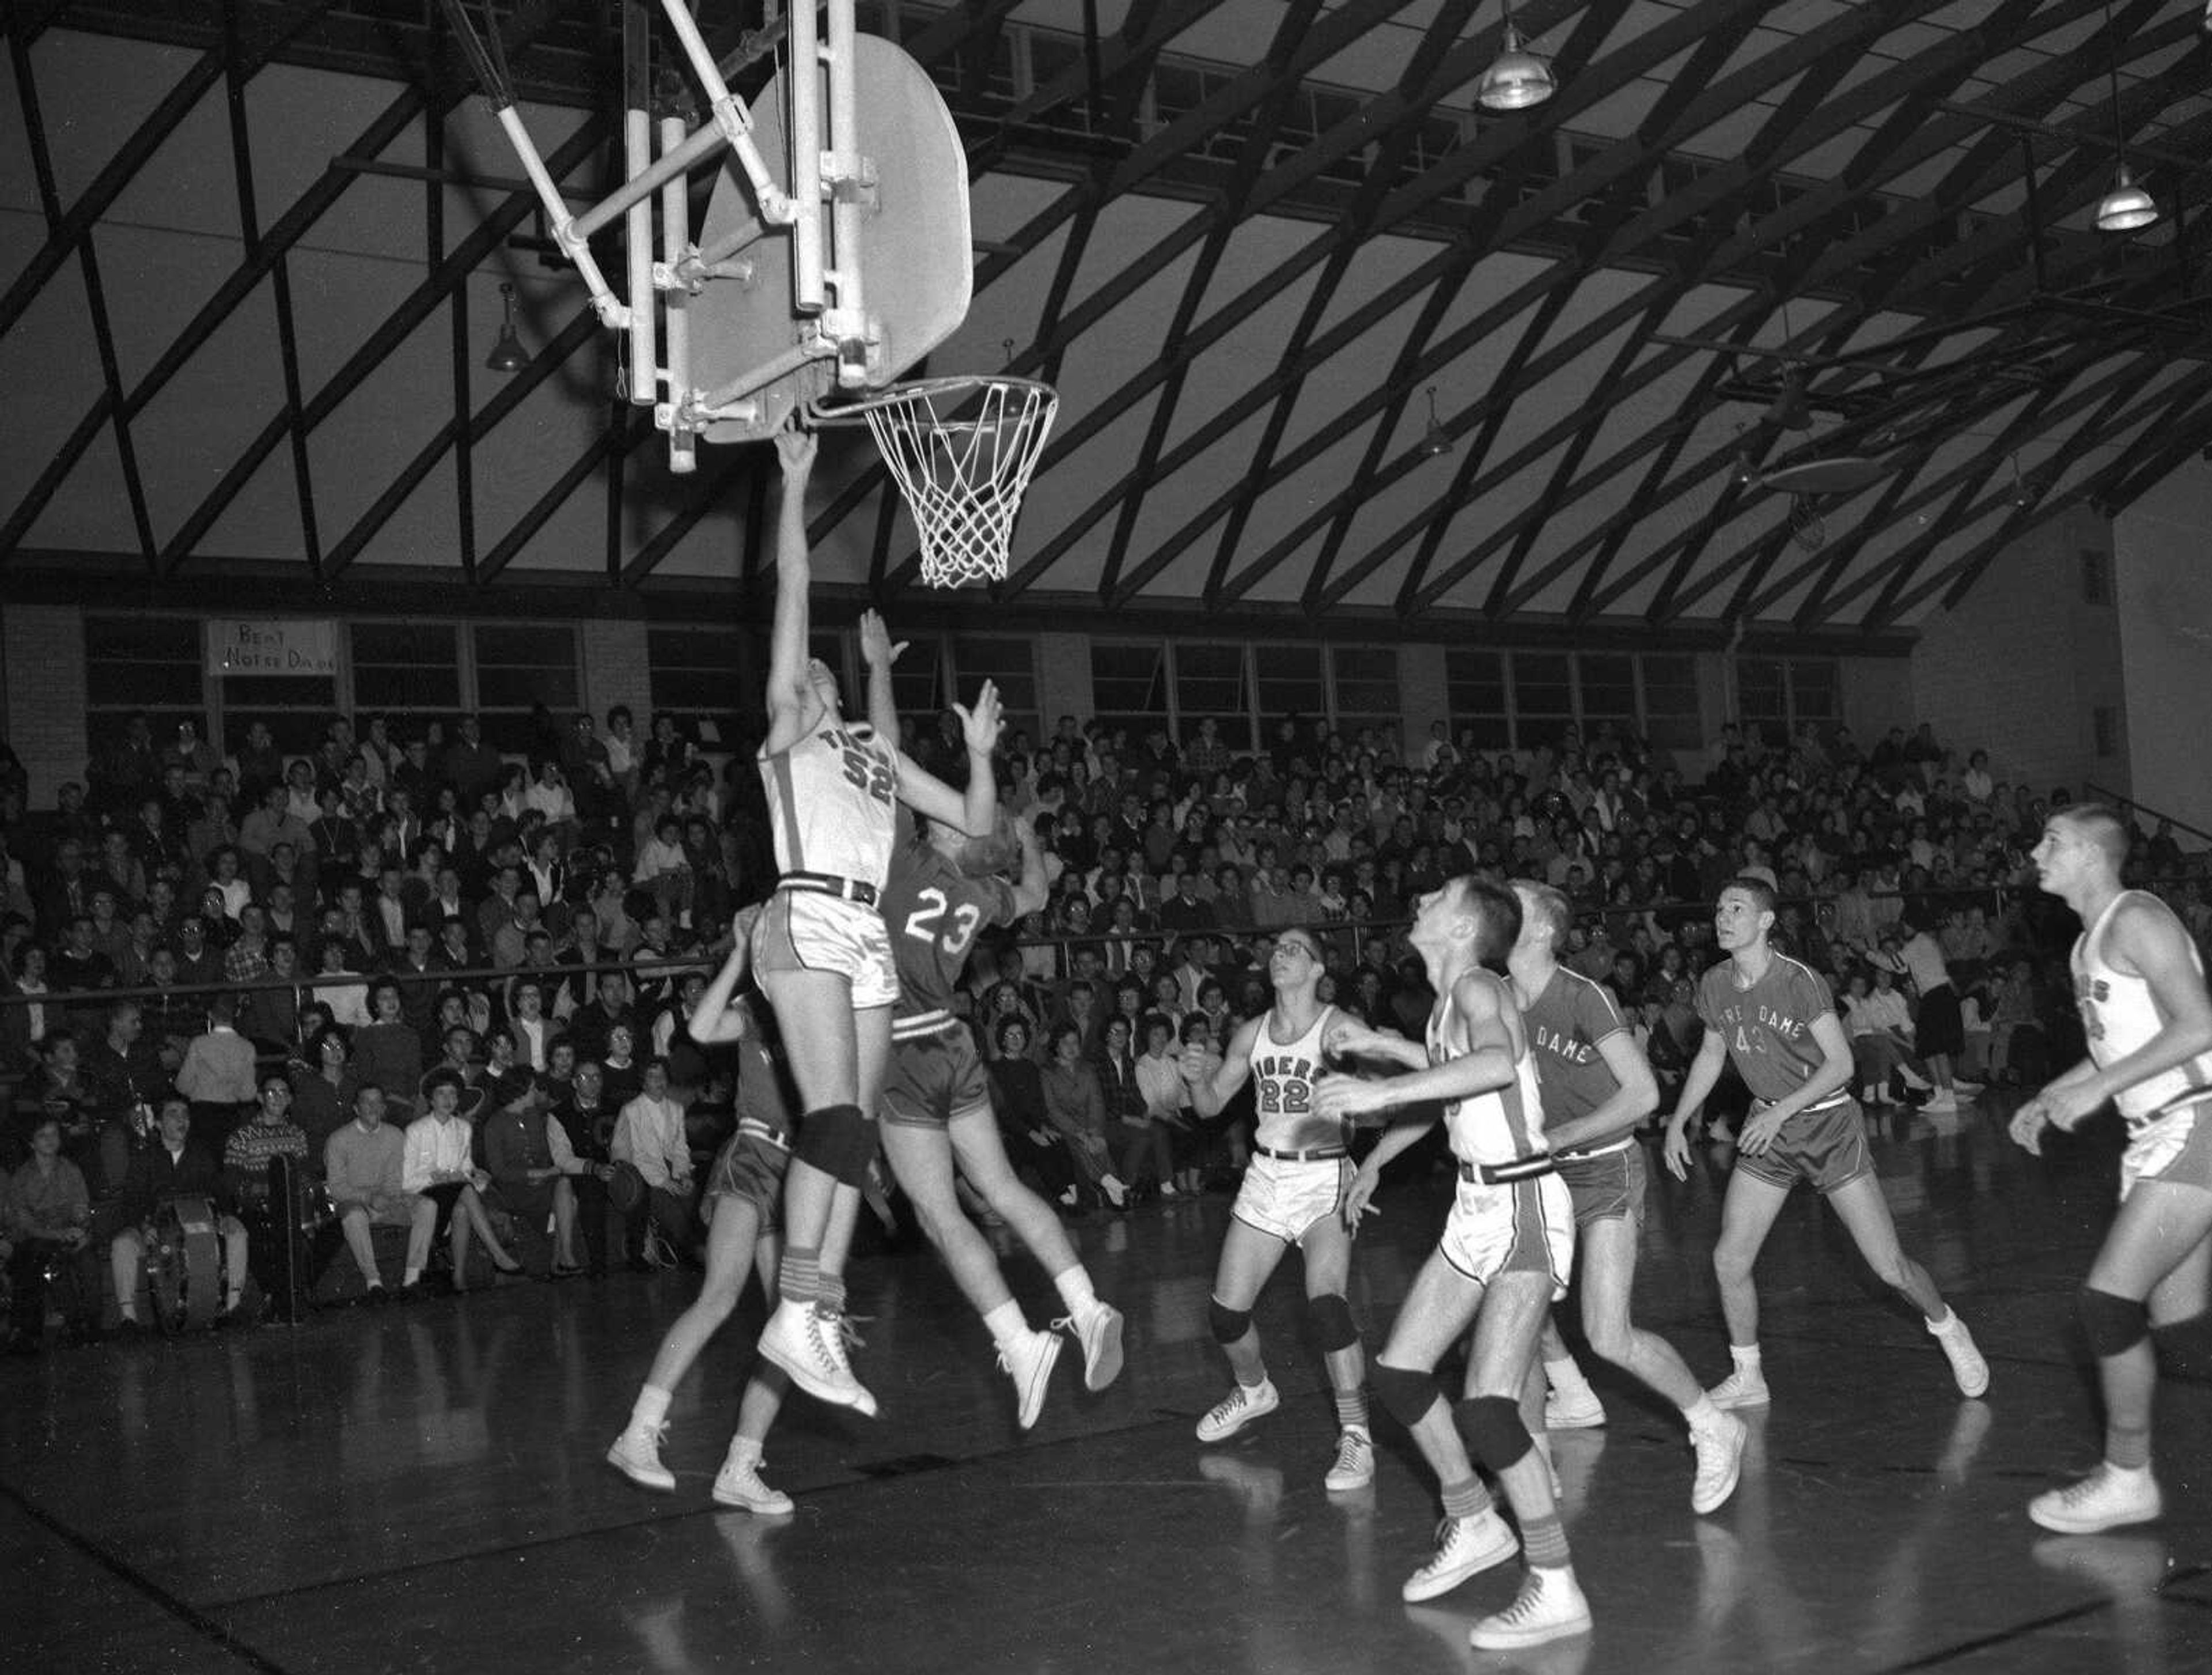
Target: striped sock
pixel 2127 1446
pixel 1467 1499
pixel 798 1276
pixel 1545 1541
pixel 1351 1408
pixel 830 1293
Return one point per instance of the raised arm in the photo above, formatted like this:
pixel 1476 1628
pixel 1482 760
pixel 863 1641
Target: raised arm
pixel 975 810
pixel 787 696
pixel 715 1022
pixel 1032 891
pixel 879 652
pixel 1214 1081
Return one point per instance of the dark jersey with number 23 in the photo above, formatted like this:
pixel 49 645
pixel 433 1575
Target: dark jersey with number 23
pixel 934 914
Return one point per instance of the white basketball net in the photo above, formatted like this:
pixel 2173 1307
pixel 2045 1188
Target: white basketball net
pixel 962 450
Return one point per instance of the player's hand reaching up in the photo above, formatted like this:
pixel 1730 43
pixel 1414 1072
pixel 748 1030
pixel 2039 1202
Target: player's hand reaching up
pixel 980 722
pixel 877 649
pixel 795 448
pixel 1198 1064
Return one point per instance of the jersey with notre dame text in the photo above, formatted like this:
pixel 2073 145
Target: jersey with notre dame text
pixel 1768 1027
pixel 1497 1125
pixel 933 912
pixel 830 800
pixel 1282 1088
pixel 1564 1024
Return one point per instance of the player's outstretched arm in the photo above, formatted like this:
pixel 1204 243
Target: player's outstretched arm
pixel 1704 1076
pixel 715 1022
pixel 1488 1065
pixel 1347 1037
pixel 879 652
pixel 1214 1081
pixel 975 810
pixel 1034 890
pixel 794 575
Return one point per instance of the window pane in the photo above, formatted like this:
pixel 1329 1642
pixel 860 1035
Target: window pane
pixel 1209 683
pixel 142 639
pixel 916 688
pixel 520 665
pixel 1010 660
pixel 142 686
pixel 1290 681
pixel 1543 699
pixel 1128 683
pixel 1815 691
pixel 1367 695
pixel 523 645
pixel 142 663
pixel 708 677
pixel 1474 690
pixel 1761 698
pixel 1670 702
pixel 1608 685
pixel 406 666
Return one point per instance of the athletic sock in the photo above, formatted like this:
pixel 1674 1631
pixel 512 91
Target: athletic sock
pixel 1746 1356
pixel 413 1278
pixel 1948 1322
pixel 1566 1376
pixel 2127 1448
pixel 1466 1499
pixel 1545 1541
pixel 830 1293
pixel 1701 1415
pixel 1006 1325
pixel 649 1410
pixel 1352 1409
pixel 1075 1290
pixel 798 1276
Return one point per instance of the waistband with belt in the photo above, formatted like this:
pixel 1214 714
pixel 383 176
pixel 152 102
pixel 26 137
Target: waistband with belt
pixel 753 1129
pixel 829 884
pixel 935 1022
pixel 1504 1174
pixel 1835 1101
pixel 1311 1154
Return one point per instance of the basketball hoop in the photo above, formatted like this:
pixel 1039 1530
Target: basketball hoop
pixel 961 449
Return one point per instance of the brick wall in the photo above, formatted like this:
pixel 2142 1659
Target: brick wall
pixel 42 660
pixel 2020 667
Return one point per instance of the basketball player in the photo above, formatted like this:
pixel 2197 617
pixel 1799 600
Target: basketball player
pixel 1292 1194
pixel 2140 983
pixel 1597 1087
pixel 1773 1017
pixel 740 1207
pixel 1501 1264
pixel 820 951
pixel 937 1105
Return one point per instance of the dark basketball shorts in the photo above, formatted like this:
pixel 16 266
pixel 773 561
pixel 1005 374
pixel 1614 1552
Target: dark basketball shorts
pixel 1608 1187
pixel 1940 1028
pixel 749 1168
pixel 932 1078
pixel 1826 1147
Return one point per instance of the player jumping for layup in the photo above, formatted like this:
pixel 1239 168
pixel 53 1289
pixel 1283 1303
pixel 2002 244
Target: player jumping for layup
pixel 1502 1262
pixel 1597 1088
pixel 820 951
pixel 2140 983
pixel 1291 1195
pixel 937 1107
pixel 1774 1018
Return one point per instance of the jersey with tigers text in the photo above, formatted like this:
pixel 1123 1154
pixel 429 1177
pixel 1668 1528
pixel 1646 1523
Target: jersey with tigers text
pixel 1282 1088
pixel 831 797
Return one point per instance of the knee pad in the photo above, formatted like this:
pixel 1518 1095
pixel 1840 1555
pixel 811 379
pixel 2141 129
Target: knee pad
pixel 1406 1396
pixel 1495 1434
pixel 840 1141
pixel 1229 1324
pixel 1332 1326
pixel 2112 1324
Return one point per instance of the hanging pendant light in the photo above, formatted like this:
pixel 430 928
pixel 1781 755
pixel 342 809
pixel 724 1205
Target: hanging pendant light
pixel 1436 442
pixel 2127 208
pixel 1517 78
pixel 506 353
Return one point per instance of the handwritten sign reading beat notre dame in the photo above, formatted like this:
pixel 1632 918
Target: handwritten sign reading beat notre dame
pixel 261 645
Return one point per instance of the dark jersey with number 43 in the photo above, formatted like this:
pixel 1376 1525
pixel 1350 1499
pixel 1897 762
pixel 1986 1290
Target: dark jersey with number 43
pixel 934 913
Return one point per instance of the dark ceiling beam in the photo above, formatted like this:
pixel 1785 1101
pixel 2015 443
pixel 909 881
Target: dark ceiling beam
pixel 531 17
pixel 95 295
pixel 1297 19
pixel 99 197
pixel 1482 153
pixel 235 77
pixel 393 331
pixel 583 327
pixel 1400 383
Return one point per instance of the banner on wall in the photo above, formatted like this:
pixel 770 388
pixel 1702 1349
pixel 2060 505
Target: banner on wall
pixel 261 645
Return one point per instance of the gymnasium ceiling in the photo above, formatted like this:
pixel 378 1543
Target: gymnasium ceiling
pixel 252 250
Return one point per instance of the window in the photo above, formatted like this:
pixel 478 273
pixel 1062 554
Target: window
pixel 1671 719
pixel 1210 685
pixel 706 677
pixel 1816 694
pixel 1474 689
pixel 1130 688
pixel 520 665
pixel 1367 693
pixel 1010 660
pixel 1779 694
pixel 410 671
pixel 1287 679
pixel 1543 697
pixel 918 684
pixel 149 663
pixel 1607 692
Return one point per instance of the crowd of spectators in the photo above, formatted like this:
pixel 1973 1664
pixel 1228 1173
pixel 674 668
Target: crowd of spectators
pixel 454 987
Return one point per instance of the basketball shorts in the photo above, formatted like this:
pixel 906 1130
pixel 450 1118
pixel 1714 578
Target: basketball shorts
pixel 801 931
pixel 1287 1199
pixel 1523 1226
pixel 1608 1187
pixel 749 1168
pixel 1940 1028
pixel 1826 1146
pixel 2176 1148
pixel 935 1078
